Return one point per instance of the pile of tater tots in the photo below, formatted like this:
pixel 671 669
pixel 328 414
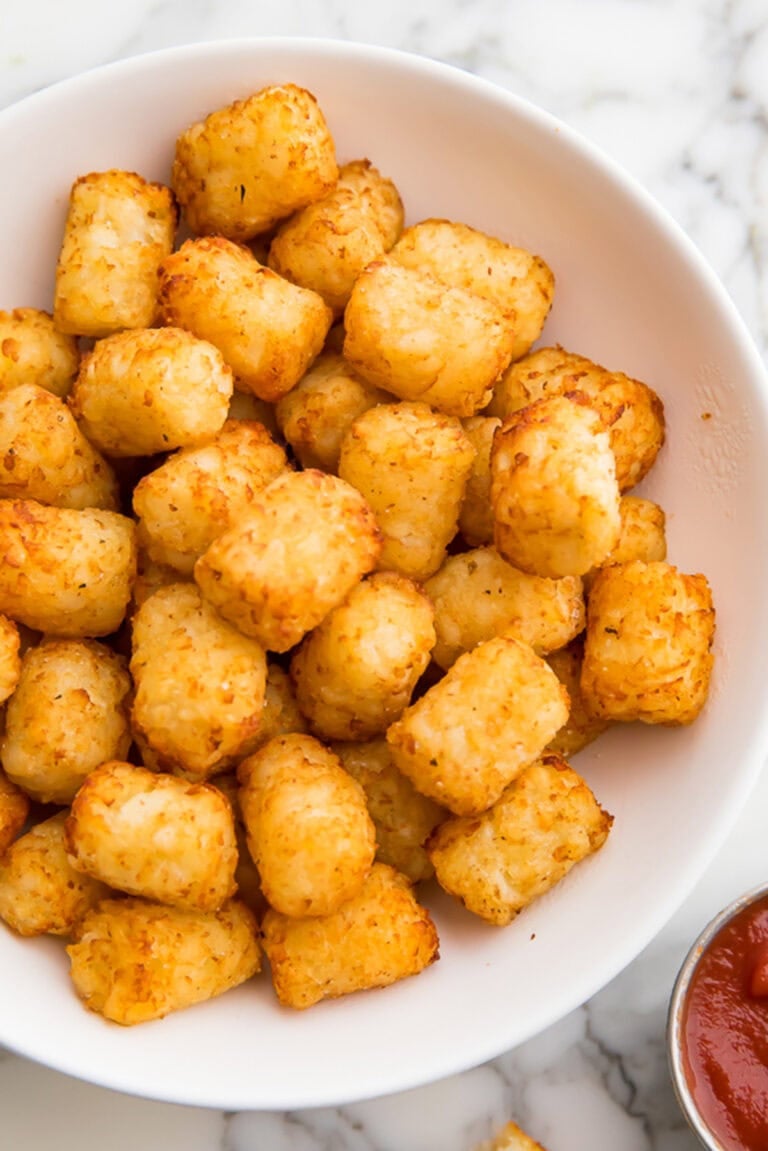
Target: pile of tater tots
pixel 312 572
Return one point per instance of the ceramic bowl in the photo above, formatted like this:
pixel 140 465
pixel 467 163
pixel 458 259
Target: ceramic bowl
pixel 633 293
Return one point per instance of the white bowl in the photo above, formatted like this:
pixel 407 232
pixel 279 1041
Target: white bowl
pixel 632 292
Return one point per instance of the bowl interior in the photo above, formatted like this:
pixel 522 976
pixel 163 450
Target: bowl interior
pixel 631 292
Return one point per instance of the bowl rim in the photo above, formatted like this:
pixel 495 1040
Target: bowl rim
pixel 332 47
pixel 483 1048
pixel 677 1004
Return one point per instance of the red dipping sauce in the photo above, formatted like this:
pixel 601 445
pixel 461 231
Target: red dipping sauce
pixel 724 1031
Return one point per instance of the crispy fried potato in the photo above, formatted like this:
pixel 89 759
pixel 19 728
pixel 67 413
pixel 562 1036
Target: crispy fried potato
pixel 315 415
pixel 10 658
pixel 554 491
pixel 414 336
pixel 476 729
pixel 355 674
pixel 326 245
pixel 68 714
pixel 152 390
pixel 246 406
pixel 478 595
pixel 40 892
pixel 199 683
pixel 119 227
pixel 254 162
pixel 34 351
pixel 642 535
pixel 197 493
pixel 404 819
pixel 308 828
pixel 307 541
pixel 134 961
pixel 351 950
pixel 631 412
pixel 476 512
pixel 150 577
pixel 647 654
pixel 520 283
pixel 44 456
pixel 280 714
pixel 155 836
pixel 497 863
pixel 510 1138
pixel 544 373
pixel 65 572
pixel 267 329
pixel 411 464
pixel 14 810
pixel 247 875
pixel 581 728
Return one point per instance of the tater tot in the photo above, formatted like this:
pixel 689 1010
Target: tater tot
pixel 581 728
pixel 34 351
pixel 355 674
pixel 351 950
pixel 14 810
pixel 267 329
pixel 326 245
pixel 315 415
pixel 632 413
pixel 154 835
pixel 518 281
pixel 119 227
pixel 246 406
pixel 40 892
pixel 411 464
pixel 199 683
pixel 545 372
pixel 247 875
pixel 647 653
pixel 187 502
pixel 404 819
pixel 421 339
pixel 253 162
pixel 280 714
pixel 544 823
pixel 478 595
pixel 10 658
pixel 642 534
pixel 307 824
pixel 65 572
pixel 554 491
pixel 68 714
pixel 134 961
pixel 476 729
pixel 476 512
pixel 150 577
pixel 307 541
pixel 510 1138
pixel 149 391
pixel 44 456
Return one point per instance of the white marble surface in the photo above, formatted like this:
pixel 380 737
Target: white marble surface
pixel 677 91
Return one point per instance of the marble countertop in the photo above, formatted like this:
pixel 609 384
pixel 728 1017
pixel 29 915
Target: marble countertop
pixel 677 92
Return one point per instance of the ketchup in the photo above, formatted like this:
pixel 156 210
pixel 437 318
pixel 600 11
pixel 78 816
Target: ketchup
pixel 725 1031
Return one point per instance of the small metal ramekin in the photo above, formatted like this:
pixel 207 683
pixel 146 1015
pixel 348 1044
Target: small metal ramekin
pixel 675 1037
